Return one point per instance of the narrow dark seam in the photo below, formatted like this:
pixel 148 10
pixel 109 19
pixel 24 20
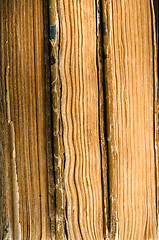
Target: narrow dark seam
pixel 48 62
pixel 154 98
pixel 102 29
pixel 28 228
pixel 99 113
pixel 65 220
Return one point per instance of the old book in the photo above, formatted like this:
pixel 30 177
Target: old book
pixel 78 119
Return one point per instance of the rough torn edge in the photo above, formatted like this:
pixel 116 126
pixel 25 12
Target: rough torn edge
pixel 16 231
pixel 59 220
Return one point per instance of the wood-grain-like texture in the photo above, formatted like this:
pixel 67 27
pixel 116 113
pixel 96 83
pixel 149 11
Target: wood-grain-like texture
pixel 78 119
pixel 24 120
pixel 78 75
pixel 131 80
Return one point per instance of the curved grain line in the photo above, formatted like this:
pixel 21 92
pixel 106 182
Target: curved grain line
pixel 88 154
pixel 67 164
pixel 67 49
pixel 83 118
pixel 71 180
pixel 73 78
pixel 64 118
pixel 79 167
pixel 82 152
pixel 83 140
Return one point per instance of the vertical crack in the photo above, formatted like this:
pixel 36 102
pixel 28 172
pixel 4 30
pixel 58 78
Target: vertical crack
pixel 154 26
pixel 100 28
pixel 49 122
